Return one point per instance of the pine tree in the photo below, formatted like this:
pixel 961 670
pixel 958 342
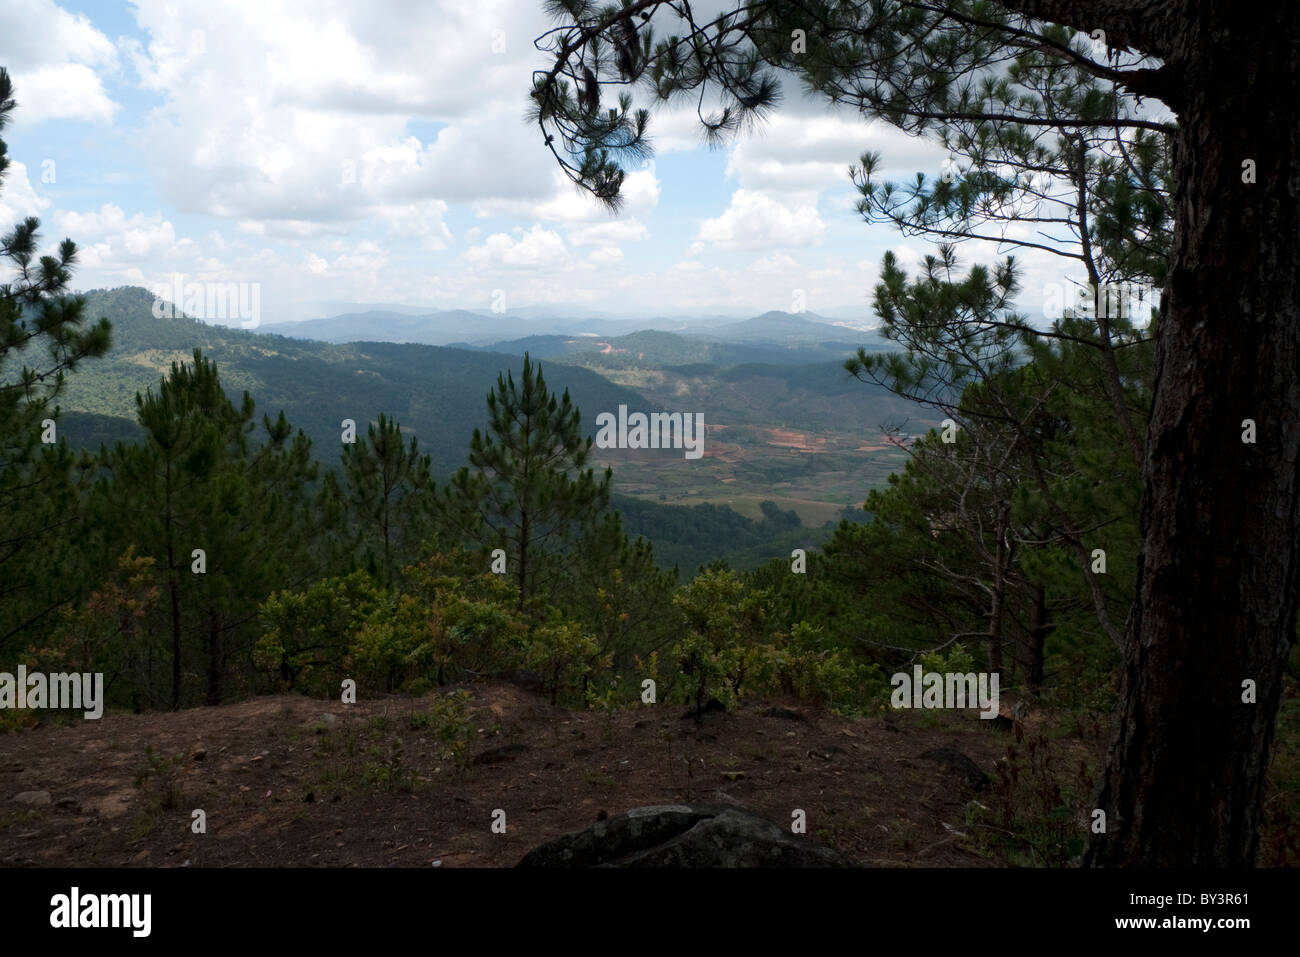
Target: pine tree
pixel 389 491
pixel 527 488
pixel 196 484
pixel 40 515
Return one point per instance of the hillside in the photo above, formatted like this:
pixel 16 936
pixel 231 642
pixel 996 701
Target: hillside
pixel 790 435
pixel 786 327
pixel 436 393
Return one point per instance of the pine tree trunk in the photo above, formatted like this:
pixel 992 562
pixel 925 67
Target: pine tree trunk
pixel 1040 626
pixel 215 661
pixel 173 590
pixel 996 609
pixel 1217 575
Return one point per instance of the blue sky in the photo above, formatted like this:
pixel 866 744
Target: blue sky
pixel 376 152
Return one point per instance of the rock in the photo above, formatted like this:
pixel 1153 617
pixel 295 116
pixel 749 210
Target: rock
pixel 142 857
pixel 36 798
pixel 712 705
pixel 522 678
pixel 678 835
pixel 826 752
pixel 199 753
pixel 733 775
pixel 956 761
pixel 788 714
pixel 499 755
pixel 68 802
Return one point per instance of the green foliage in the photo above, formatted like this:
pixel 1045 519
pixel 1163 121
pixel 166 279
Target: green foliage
pixel 44 335
pixel 446 722
pixel 955 661
pixel 804 664
pixel 527 489
pixel 310 633
pixel 389 493
pixel 198 483
pixel 724 623
pixel 568 657
pixel 108 633
pixel 614 588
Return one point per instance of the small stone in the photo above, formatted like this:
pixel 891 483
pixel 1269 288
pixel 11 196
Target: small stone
pixel 39 798
pixel 199 753
pixel 141 857
pixel 789 714
pixel 733 775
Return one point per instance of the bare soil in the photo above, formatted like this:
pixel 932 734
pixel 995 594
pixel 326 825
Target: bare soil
pixel 292 781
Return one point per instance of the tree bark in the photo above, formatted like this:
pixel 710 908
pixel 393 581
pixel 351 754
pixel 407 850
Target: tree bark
pixel 1216 596
pixel 1040 626
pixel 216 662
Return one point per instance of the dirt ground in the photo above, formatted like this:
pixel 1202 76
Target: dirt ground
pixel 291 781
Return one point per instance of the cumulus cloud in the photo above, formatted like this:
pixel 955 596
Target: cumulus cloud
pixel 757 220
pixel 111 240
pixel 290 113
pixel 18 199
pixel 537 247
pixel 56 60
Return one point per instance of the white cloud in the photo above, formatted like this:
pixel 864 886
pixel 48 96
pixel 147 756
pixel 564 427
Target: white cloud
pixel 18 199
pixel 538 247
pixel 800 152
pixel 111 240
pixel 608 234
pixel 292 113
pixel 70 91
pixel 758 221
pixel 56 59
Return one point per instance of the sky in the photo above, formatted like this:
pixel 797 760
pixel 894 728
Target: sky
pixel 376 152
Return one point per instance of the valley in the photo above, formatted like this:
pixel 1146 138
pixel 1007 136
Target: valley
pixel 784 423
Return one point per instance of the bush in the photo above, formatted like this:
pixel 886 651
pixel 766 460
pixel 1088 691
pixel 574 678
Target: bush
pixel 568 657
pixel 311 633
pixel 723 625
pixel 805 666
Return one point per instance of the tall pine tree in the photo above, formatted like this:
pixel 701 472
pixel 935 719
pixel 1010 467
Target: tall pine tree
pixel 389 491
pixel 527 488
pixel 44 335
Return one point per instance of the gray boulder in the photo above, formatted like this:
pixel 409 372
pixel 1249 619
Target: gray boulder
pixel 959 764
pixel 679 835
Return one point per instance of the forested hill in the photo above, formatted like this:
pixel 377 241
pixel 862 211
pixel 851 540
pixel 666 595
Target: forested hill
pixel 438 394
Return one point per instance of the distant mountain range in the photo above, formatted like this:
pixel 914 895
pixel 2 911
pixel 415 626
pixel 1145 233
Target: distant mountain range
pixel 483 329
